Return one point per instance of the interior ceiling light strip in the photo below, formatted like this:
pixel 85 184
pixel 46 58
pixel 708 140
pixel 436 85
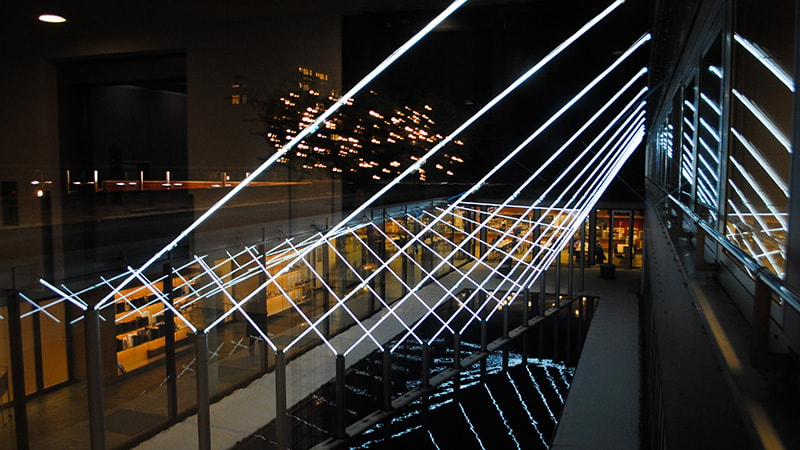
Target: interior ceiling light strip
pixel 766 60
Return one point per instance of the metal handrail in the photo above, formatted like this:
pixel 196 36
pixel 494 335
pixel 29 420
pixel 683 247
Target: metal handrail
pixel 759 272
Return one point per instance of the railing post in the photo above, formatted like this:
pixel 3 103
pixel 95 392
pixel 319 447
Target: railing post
pixel 700 253
pixel 18 373
pixel 387 380
pixel 170 349
pixel 456 351
pixel 426 382
pixel 341 392
pixel 203 397
pixel 281 422
pixel 94 380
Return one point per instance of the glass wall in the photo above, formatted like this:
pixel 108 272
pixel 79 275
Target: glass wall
pixel 735 133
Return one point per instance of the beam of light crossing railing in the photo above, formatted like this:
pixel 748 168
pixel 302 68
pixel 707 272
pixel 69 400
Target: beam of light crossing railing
pixel 143 279
pixel 638 44
pixel 339 302
pixel 489 251
pixel 556 241
pixel 535 174
pixel 311 128
pixel 39 308
pixel 413 168
pixel 74 300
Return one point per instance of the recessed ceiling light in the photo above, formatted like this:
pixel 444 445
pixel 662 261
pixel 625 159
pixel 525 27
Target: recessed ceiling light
pixel 52 18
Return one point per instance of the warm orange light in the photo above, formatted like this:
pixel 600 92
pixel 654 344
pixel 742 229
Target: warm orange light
pixel 52 18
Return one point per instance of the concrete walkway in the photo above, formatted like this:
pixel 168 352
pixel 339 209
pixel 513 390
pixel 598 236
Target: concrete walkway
pixel 602 408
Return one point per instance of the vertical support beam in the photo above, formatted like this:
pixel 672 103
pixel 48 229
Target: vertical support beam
pixel 570 270
pixel 584 255
pixel 18 372
pixel 526 310
pixel 94 380
pixel 456 351
pixel 631 229
pixel 543 293
pixel 426 362
pixel 555 318
pixel 387 380
pixel 170 361
pixel 505 320
pixel 341 397
pixel 558 280
pixel 484 347
pixel 281 422
pixel 203 397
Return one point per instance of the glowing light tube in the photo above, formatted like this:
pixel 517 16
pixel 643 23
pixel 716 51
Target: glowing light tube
pixel 766 60
pixel 343 306
pixel 502 262
pixel 476 231
pixel 769 257
pixel 75 301
pixel 413 168
pixel 160 296
pixel 557 247
pixel 289 145
pixel 763 163
pixel 37 308
pixel 714 106
pixel 487 220
pixel 565 237
pixel 765 120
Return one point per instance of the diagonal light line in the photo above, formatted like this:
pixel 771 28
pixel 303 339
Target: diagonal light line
pixel 764 120
pixel 160 296
pixel 569 104
pixel 412 169
pixel 763 163
pixel 547 259
pixel 766 60
pixel 289 145
pixel 413 291
pixel 533 205
pixel 37 308
pixel 348 310
pixel 236 305
pixel 479 261
pixel 74 300
pixel 125 297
